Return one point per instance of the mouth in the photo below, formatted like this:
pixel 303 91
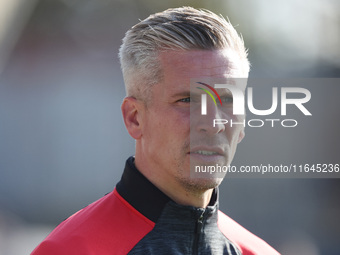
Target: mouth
pixel 203 157
pixel 205 152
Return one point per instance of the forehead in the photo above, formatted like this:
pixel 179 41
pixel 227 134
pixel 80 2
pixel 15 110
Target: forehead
pixel 200 63
pixel 182 69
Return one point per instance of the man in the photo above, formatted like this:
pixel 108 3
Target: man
pixel 157 207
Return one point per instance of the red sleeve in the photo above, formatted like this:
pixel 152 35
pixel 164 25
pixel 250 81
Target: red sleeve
pixel 107 225
pixel 247 242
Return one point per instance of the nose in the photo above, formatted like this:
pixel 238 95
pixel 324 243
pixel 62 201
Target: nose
pixel 205 123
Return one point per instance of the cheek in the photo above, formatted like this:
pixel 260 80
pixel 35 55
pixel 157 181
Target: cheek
pixel 167 126
pixel 153 130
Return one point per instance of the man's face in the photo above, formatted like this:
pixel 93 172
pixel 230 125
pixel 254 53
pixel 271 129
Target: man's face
pixel 165 143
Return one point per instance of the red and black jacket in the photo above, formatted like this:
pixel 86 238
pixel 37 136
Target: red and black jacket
pixel 137 218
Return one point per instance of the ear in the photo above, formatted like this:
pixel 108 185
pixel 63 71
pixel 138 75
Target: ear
pixel 131 115
pixel 241 135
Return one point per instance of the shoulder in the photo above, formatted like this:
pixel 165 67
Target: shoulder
pixel 108 222
pixel 247 242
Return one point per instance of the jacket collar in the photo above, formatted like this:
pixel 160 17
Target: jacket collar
pixel 145 197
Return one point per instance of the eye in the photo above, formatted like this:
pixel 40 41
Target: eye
pixel 227 99
pixel 184 100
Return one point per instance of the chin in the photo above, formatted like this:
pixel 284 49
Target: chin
pixel 202 184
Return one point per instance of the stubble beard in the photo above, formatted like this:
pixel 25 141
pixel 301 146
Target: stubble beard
pixel 199 185
pixel 191 184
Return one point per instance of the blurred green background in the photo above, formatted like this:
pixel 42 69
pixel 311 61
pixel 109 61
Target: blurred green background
pixel 62 139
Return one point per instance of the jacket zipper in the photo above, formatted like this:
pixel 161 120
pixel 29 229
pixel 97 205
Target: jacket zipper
pixel 198 228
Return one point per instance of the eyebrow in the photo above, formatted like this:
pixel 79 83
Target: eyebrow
pixel 181 94
pixel 230 81
pixel 188 93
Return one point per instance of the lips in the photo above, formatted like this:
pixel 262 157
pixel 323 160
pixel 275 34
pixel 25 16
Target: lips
pixel 211 155
pixel 207 151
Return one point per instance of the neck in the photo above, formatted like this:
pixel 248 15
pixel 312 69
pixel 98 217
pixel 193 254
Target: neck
pixel 199 199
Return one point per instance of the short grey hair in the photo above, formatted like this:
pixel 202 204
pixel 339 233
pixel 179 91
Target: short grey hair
pixel 182 28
